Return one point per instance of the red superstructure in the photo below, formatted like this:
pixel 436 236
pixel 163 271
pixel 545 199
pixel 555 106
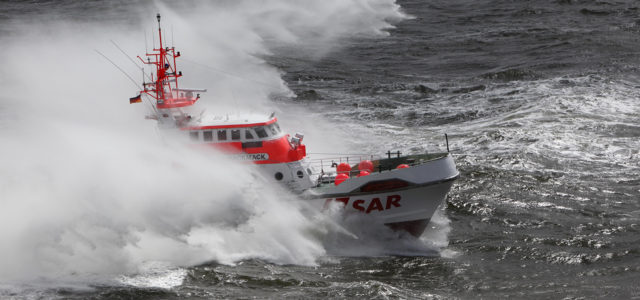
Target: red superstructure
pixel 260 142
pixel 255 138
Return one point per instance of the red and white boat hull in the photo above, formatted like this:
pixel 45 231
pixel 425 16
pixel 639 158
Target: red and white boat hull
pixel 403 199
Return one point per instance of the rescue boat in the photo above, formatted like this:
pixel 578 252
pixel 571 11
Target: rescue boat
pixel 402 192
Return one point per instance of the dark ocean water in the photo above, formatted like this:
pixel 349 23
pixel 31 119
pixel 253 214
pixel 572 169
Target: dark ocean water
pixel 540 102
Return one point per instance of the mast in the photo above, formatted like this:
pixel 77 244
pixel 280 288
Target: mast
pixel 164 88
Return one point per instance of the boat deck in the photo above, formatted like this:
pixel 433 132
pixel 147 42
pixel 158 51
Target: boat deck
pixel 383 165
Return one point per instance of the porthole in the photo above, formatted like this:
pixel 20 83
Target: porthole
pixel 300 174
pixel 279 176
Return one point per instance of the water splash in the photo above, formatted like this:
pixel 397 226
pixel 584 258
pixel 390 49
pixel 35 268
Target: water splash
pixel 89 189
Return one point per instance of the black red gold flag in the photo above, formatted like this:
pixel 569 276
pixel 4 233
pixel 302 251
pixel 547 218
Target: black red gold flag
pixel 136 99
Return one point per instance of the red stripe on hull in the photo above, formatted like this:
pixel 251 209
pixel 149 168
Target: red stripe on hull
pixel 279 150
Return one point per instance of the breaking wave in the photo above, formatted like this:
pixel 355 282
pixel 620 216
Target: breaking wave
pixel 90 191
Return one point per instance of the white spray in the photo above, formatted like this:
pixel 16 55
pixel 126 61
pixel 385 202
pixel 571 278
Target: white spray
pixel 88 187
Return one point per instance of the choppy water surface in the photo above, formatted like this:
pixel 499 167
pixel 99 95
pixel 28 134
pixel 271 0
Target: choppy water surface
pixel 540 102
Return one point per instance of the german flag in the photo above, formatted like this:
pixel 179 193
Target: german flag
pixel 135 99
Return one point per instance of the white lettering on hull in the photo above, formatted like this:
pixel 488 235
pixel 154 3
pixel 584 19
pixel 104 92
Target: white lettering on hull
pixel 251 156
pixel 366 204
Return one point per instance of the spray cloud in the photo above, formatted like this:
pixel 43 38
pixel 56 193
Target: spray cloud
pixel 87 186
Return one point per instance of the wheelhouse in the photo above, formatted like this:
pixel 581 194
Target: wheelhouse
pixel 260 142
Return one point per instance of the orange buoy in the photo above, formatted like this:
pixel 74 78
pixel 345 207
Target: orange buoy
pixel 341 178
pixel 365 165
pixel 363 173
pixel 343 168
pixel 402 166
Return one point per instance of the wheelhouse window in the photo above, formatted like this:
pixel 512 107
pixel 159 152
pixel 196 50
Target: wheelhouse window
pixel 193 135
pixel 222 135
pixel 248 135
pixel 261 132
pixel 235 134
pixel 207 136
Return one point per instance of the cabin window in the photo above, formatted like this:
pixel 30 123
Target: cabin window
pixel 261 132
pixel 207 136
pixel 235 134
pixel 277 127
pixel 248 135
pixel 193 135
pixel 222 135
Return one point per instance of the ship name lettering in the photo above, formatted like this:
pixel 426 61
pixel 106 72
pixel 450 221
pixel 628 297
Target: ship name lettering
pixel 374 205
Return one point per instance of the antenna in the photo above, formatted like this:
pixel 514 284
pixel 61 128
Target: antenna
pixel 128 57
pixel 153 40
pixel 121 70
pixel 145 42
pixel 125 74
pixel 229 74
